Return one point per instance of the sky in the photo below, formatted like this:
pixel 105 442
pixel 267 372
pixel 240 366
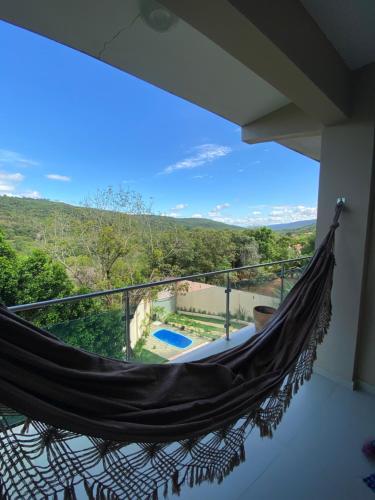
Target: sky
pixel 70 124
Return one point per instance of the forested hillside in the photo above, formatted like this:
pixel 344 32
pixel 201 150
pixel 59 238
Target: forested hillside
pixel 23 219
pixel 51 249
pixel 114 239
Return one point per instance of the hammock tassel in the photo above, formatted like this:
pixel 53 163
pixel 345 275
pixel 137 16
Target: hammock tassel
pixel 26 426
pixel 242 453
pixel 165 490
pixel 69 493
pixel 89 490
pixel 176 487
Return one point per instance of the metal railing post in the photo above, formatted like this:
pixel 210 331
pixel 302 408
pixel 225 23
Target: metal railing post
pixel 227 307
pixel 127 326
pixel 282 283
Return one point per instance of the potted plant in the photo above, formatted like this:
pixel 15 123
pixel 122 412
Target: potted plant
pixel 262 315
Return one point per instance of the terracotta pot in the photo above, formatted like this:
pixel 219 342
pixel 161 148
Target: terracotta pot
pixel 262 315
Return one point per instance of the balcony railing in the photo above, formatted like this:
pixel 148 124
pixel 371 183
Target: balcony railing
pixel 203 307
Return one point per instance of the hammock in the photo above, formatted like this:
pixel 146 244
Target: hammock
pixel 122 430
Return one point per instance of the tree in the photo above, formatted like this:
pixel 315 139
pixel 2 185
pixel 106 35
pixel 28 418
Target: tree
pixel 246 250
pixel 168 253
pixel 266 239
pixel 213 250
pixel 308 244
pixel 100 246
pixel 98 332
pixel 40 278
pixel 33 278
pixel 8 272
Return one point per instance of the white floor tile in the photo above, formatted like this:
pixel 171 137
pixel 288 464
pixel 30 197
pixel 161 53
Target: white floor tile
pixel 315 454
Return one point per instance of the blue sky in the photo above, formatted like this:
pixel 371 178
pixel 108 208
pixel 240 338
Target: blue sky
pixel 70 124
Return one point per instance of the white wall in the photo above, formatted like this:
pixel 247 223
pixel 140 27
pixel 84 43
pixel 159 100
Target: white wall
pixel 141 314
pixel 365 365
pixel 347 169
pixel 213 299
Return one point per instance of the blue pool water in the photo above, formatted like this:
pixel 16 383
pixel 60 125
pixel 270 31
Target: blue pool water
pixel 172 338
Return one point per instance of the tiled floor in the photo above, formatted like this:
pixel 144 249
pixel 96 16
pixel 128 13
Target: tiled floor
pixel 314 455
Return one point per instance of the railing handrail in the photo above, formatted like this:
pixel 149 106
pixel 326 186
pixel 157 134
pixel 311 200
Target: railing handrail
pixel 129 288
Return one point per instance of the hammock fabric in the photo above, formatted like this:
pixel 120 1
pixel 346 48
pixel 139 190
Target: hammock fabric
pixel 85 413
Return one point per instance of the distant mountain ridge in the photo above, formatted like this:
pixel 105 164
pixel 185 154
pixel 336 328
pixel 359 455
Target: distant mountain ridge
pixel 292 226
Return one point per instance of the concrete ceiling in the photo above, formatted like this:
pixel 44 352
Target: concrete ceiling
pixel 182 60
pixel 308 146
pixel 228 56
pixel 349 25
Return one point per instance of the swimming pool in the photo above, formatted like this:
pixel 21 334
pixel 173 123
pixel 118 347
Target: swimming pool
pixel 172 338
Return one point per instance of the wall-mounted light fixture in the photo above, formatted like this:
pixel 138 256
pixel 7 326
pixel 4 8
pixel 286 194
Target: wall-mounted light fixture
pixel 156 16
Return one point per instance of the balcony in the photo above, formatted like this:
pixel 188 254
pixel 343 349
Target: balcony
pixel 207 312
pixel 316 450
pixel 311 91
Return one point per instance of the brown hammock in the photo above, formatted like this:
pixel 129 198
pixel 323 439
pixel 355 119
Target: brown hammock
pixel 68 394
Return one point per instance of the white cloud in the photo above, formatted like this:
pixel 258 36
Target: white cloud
pixel 15 159
pixel 216 211
pixel 170 214
pixel 175 211
pixel 202 177
pixel 58 177
pixel 9 182
pixel 269 215
pixel 222 206
pixel 9 185
pixel 5 176
pixel 258 215
pixel 7 188
pixel 30 194
pixel 25 194
pixel 205 153
pixel 290 213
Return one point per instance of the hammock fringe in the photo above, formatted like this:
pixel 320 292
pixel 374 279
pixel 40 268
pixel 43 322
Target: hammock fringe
pixel 189 454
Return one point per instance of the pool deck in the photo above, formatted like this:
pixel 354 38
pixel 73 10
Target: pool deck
pixel 200 347
pixel 169 351
pixel 220 345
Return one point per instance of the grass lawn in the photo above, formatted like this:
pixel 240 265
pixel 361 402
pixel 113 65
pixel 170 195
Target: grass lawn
pixel 146 356
pixel 217 321
pixel 182 320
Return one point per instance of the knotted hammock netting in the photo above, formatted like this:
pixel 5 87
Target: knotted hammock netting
pixel 75 424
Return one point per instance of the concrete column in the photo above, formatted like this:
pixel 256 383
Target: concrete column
pixel 347 169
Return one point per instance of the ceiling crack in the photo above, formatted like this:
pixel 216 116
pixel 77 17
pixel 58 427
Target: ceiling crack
pixel 117 34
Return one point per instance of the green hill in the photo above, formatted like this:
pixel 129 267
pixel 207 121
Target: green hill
pixel 300 230
pixel 300 226
pixel 22 219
